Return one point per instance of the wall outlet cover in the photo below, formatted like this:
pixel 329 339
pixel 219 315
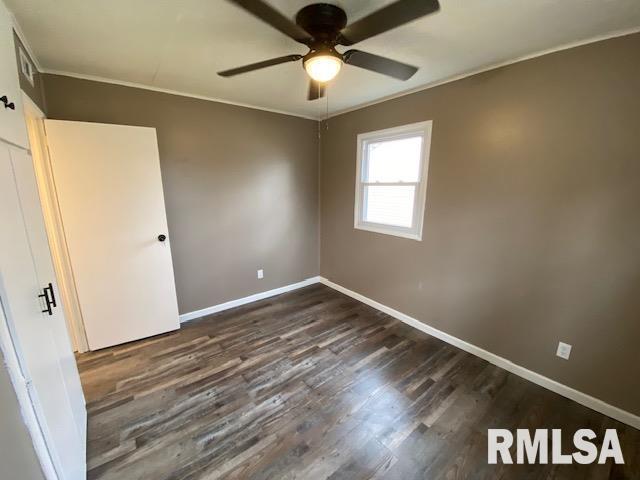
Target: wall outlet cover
pixel 564 350
pixel 260 273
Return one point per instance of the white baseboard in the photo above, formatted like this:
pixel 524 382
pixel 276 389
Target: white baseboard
pixel 185 317
pixel 571 393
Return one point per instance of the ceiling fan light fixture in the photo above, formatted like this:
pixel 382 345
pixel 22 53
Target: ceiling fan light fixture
pixel 322 26
pixel 323 67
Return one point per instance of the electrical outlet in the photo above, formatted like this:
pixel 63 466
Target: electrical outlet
pixel 564 350
pixel 260 273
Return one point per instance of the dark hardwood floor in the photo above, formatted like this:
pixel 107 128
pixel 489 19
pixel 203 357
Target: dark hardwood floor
pixel 311 385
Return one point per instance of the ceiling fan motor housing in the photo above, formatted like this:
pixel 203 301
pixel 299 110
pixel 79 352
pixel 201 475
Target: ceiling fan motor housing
pixel 323 21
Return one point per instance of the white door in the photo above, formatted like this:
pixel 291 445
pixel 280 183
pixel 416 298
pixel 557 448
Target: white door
pixel 51 380
pixel 34 223
pixel 109 190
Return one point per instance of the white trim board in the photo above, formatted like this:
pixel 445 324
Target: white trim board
pixel 320 117
pixel 185 317
pixel 142 86
pixel 568 392
pixel 486 68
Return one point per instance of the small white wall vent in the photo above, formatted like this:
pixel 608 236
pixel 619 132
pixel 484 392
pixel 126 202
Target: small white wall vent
pixel 26 67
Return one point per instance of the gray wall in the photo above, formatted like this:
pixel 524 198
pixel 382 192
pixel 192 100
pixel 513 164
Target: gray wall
pixel 531 228
pixel 36 91
pixel 17 457
pixel 241 185
pixel 532 224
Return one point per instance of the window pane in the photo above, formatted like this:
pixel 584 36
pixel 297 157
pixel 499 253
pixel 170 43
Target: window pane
pixel 389 205
pixel 394 160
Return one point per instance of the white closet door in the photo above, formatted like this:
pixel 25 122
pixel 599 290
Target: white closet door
pixel 34 222
pixel 52 383
pixel 110 194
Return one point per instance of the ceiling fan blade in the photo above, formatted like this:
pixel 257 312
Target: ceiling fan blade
pixel 316 90
pixel 257 66
pixel 379 64
pixel 271 16
pixel 387 18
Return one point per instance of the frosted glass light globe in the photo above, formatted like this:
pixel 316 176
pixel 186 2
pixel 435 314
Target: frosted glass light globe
pixel 323 68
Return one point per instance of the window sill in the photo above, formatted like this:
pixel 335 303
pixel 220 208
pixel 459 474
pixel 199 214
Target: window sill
pixel 388 230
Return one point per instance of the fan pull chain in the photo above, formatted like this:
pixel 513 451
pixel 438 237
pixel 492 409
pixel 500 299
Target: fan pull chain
pixel 326 118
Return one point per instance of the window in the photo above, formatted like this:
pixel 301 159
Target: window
pixel 391 180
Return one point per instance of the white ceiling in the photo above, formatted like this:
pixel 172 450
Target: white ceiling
pixel 180 44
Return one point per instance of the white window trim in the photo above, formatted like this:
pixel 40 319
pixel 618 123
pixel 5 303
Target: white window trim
pixel 415 231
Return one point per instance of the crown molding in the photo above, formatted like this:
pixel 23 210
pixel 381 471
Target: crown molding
pixel 492 66
pixel 320 118
pixel 142 86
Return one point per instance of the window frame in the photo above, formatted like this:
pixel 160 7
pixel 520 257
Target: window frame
pixel 395 133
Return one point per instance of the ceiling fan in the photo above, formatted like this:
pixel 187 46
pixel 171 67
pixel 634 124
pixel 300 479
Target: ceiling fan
pixel 322 26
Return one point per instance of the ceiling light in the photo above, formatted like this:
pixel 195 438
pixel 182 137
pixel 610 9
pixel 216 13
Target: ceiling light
pixel 323 67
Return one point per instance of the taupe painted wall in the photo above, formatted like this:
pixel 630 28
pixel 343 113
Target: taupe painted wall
pixel 18 459
pixel 241 185
pixel 36 91
pixel 532 226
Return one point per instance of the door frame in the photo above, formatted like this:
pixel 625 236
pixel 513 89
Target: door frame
pixel 34 118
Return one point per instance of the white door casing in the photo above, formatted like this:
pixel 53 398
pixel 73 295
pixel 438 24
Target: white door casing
pixel 111 201
pixel 34 118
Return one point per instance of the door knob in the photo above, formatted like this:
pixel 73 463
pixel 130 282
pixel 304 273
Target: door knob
pixel 162 238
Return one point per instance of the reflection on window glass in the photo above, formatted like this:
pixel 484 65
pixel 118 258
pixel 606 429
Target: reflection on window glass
pixel 389 205
pixel 394 160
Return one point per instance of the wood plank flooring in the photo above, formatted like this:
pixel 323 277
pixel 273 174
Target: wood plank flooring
pixel 312 385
